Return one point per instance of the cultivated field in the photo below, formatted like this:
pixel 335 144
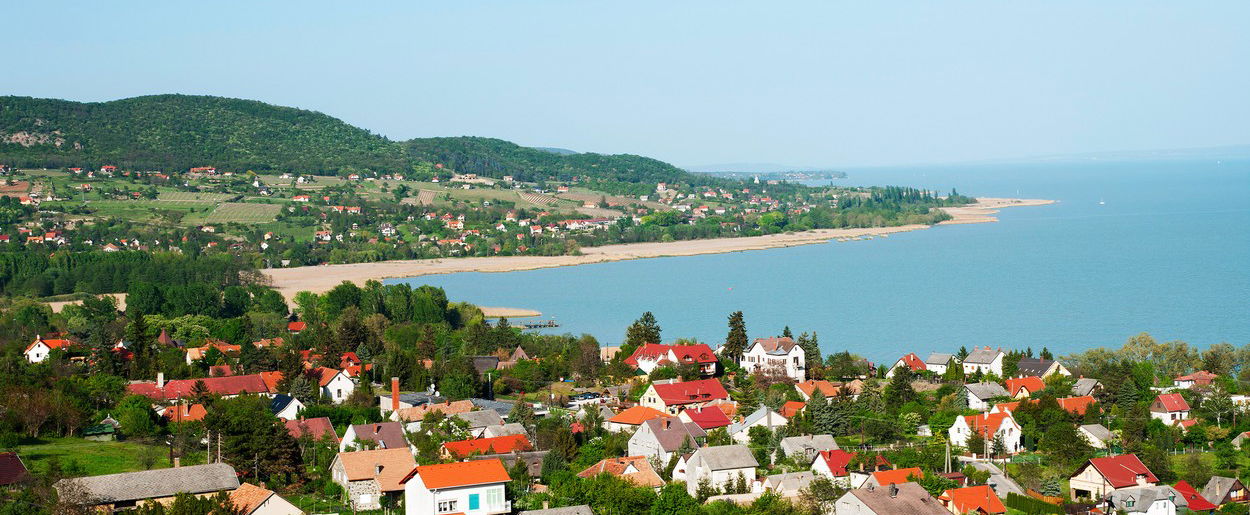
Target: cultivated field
pixel 243 213
pixel 537 199
pixel 425 198
pixel 190 196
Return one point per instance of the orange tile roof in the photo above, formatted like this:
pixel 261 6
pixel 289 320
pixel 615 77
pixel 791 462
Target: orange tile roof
pixel 1032 384
pixel 416 413
pixel 363 465
pixel 1076 405
pixel 637 415
pixel 792 408
pixel 811 385
pixel 247 497
pixel 184 413
pixel 889 477
pixel 465 473
pixel 987 424
pixel 973 499
pixel 643 474
pixel 497 445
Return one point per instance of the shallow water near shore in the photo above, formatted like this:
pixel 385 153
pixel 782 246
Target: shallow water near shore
pixel 1167 252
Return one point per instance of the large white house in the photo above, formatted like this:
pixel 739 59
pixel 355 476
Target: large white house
pixel 776 353
pixel 990 426
pixel 650 356
pixel 335 385
pixel 473 487
pixel 720 466
pixel 984 360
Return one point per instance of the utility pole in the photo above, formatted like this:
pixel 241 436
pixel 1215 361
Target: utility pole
pixel 948 456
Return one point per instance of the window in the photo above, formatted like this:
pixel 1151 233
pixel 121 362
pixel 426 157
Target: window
pixel 474 501
pixel 494 497
pixel 446 506
pixel 366 499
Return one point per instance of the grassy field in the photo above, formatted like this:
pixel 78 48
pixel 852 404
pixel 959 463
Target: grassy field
pixel 242 212
pixel 97 458
pixel 188 196
pixel 145 211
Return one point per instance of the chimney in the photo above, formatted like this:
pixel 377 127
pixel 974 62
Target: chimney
pixel 177 461
pixel 160 379
pixel 377 469
pixel 545 504
pixel 893 490
pixel 394 394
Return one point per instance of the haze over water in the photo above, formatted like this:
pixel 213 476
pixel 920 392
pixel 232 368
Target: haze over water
pixel 1168 253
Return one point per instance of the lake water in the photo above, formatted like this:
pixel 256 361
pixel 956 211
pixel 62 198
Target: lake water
pixel 1168 253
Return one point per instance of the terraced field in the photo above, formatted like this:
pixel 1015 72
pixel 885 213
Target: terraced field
pixel 425 198
pixel 191 196
pixel 242 213
pixel 537 199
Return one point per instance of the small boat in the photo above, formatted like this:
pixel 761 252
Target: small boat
pixel 1102 202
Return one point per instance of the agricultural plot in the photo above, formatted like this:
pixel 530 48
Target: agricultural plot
pixel 537 199
pixel 241 212
pixel 194 196
pixel 425 198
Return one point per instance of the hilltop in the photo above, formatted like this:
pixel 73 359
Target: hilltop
pixel 177 132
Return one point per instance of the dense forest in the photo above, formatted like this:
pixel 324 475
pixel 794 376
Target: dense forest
pixel 178 132
pixel 38 273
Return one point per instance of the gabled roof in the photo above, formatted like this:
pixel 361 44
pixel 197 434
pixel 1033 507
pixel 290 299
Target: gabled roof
pixel 982 356
pixel 986 391
pixel 280 402
pixel 464 473
pixel 230 385
pixel 386 466
pixel 497 445
pixel 810 386
pixel 708 418
pixel 248 497
pixel 1034 366
pixel 482 418
pixel 149 484
pixel 690 392
pixel 1173 402
pixel 1121 471
pixel 637 415
pixel 987 424
pixel 12 470
pixel 318 428
pixel 903 498
pixel 1201 375
pixel 184 413
pixel 940 358
pixel 979 499
pixel 1196 501
pixel 1076 405
pixel 763 414
pixel 792 408
pixel 913 362
pixel 724 457
pixel 647 351
pixel 388 435
pixel 1098 431
pixel 1084 386
pixel 296 326
pixel 324 375
pixel 671 432
pixel 1032 384
pixel 889 477
pixel 416 413
pixel 777 345
pixel 690 354
pixel 838 459
pixel 1143 497
pixel 635 469
pixel 1218 488
pixel 815 443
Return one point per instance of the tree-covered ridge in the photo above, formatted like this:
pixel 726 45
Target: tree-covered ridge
pixel 177 132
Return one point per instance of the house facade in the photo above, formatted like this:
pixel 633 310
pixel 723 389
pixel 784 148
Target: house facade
pixel 984 360
pixel 469 487
pixel 367 476
pixel 671 396
pixel 780 354
pixel 1099 477
pixel 1169 408
pixel 989 426
pixel 661 437
pixel 720 466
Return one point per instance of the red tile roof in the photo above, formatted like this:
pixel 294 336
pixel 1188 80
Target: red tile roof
pixel 987 424
pixel 52 343
pixel 497 445
pixel 913 362
pixel 890 477
pixel 838 459
pixel 1076 405
pixel 1122 471
pixel 178 388
pixel 689 354
pixel 1033 384
pixel 1173 402
pixel 248 497
pixel 1200 377
pixel 708 417
pixel 296 326
pixel 1195 500
pixel 465 473
pixel 690 392
pixel 973 499
pixel 810 386
pixel 318 428
pixel 637 415
pixel 792 408
pixel 184 413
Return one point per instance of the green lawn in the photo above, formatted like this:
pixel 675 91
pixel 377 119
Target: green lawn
pixel 97 458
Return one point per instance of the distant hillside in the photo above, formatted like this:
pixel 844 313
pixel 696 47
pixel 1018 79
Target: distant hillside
pixel 554 150
pixel 177 132
pixel 181 131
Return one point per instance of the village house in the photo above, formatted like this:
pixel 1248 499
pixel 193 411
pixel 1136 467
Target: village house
pixel 631 418
pixel 480 420
pixel 128 490
pixel 806 447
pixel 972 499
pixel 285 407
pixel 381 435
pixel 315 429
pixel 335 385
pixel 984 360
pixel 1222 490
pixel 909 498
pixel 762 417
pixel 1194 500
pixel 1098 436
pixel 1153 500
pixel 980 394
pixel 836 465
pixel 1199 378
pixel 469 488
pixel 911 361
pixel 254 500
pixel 1024 387
pixel 708 418
pixel 650 356
pixel 500 445
pixel 989 426
pixel 1098 477
pixel 720 466
pixel 13 471
pixel 634 469
pixel 41 348
pixel 938 361
pixel 672 395
pixel 1169 408
pixel 226 387
pixel 776 354
pixel 810 386
pixel 1041 367
pixel 661 437
pixel 367 476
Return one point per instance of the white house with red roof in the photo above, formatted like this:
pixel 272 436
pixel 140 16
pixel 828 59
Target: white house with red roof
pixel 1169 408
pixel 650 356
pixel 673 395
pixel 473 487
pixel 335 385
pixel 776 353
pixel 39 349
pixel 1098 477
pixel 989 426
pixel 911 360
pixel 1199 378
pixel 835 465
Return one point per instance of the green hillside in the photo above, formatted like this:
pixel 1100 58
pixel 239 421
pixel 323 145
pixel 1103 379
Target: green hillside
pixel 178 132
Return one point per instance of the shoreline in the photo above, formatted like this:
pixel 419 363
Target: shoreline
pixel 319 279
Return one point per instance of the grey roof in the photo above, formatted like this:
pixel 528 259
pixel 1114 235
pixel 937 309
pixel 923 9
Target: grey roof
pixel 514 428
pixel 1084 386
pixel 939 358
pixel 771 419
pixel 389 435
pixel 484 363
pixel 908 499
pixel 792 482
pixel 533 460
pixel 581 509
pixel 148 484
pixel 982 356
pixel 1034 366
pixel 671 432
pixel 723 457
pixel 503 408
pixel 1098 431
pixel 1218 487
pixel 1144 496
pixel 986 391
pixel 481 418
pixel 417 398
pixel 801 445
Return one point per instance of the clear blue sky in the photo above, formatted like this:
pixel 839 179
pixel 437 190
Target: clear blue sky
pixel 821 83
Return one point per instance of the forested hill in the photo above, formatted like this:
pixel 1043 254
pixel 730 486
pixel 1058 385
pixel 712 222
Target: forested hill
pixel 178 132
pixel 173 132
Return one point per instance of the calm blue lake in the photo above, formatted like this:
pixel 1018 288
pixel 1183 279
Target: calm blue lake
pixel 1168 253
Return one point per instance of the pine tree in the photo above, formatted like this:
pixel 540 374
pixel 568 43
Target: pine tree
pixel 786 333
pixel 736 341
pixel 142 346
pixel 1046 354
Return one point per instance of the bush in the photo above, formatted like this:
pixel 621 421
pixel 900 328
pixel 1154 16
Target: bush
pixel 1030 505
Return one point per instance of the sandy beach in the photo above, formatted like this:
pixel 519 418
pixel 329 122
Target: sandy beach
pixel 290 281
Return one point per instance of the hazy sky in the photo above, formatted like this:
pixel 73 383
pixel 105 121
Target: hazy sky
pixel 821 83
